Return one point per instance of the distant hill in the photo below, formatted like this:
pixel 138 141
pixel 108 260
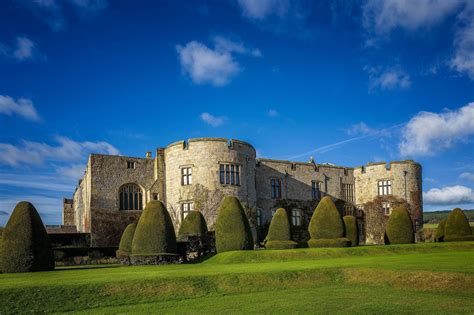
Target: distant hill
pixel 437 216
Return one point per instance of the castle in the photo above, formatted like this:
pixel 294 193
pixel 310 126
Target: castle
pixel 196 174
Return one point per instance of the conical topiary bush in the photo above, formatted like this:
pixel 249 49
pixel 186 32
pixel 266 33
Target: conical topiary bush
pixel 154 234
pixel 350 225
pixel 232 227
pixel 193 224
pixel 326 227
pixel 439 236
pixel 399 228
pixel 125 246
pixel 457 227
pixel 279 233
pixel 25 244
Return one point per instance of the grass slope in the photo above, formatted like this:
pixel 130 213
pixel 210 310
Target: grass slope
pixel 436 277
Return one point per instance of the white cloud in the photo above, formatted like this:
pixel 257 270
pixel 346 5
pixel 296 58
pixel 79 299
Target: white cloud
pixel 273 113
pixel 24 48
pixel 22 107
pixel 36 153
pixel 36 181
pixel 449 195
pixel 216 66
pixel 467 176
pixel 359 129
pixel 212 120
pixel 428 132
pixel 463 58
pixel 388 78
pixel 75 171
pixel 382 17
pixel 261 9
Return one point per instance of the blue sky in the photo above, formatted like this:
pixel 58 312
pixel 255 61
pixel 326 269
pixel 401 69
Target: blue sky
pixel 347 82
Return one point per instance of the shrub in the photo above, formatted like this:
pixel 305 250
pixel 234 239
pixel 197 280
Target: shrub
pixel 154 234
pixel 329 242
pixel 399 228
pixel 25 243
pixel 326 221
pixel 279 234
pixel 232 227
pixel 352 234
pixel 125 246
pixel 193 225
pixel 457 226
pixel 460 238
pixel 439 236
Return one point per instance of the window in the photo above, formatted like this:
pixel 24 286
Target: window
pixel 186 176
pixel 385 187
pixel 273 212
pixel 347 192
pixel 131 164
pixel 315 189
pixel 386 208
pixel 156 196
pixel 276 188
pixel 186 207
pixel 296 217
pixel 259 217
pixel 130 197
pixel 348 210
pixel 229 174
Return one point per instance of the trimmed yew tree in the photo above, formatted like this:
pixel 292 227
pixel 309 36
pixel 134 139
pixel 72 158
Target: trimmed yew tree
pixel 125 246
pixel 350 223
pixel 439 236
pixel 25 244
pixel 154 234
pixel 279 233
pixel 457 227
pixel 399 228
pixel 193 224
pixel 326 227
pixel 232 227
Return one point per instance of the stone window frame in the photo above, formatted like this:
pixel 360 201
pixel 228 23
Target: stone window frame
pixel 136 201
pixel 230 173
pixel 275 194
pixel 316 189
pixel 386 208
pixel 185 208
pixel 186 176
pixel 155 196
pixel 296 217
pixel 131 165
pixel 384 187
pixel 258 216
pixel 347 191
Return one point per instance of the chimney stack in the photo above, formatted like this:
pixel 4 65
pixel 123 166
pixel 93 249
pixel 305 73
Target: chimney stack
pixel 148 154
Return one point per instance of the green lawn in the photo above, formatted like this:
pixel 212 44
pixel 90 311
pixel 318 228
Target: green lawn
pixel 435 225
pixel 422 278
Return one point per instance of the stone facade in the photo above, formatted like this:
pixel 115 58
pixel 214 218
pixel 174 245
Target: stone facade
pixel 222 167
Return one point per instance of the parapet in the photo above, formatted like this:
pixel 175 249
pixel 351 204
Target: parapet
pixel 388 166
pixel 230 142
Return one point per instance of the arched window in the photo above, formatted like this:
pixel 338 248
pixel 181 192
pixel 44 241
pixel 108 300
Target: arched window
pixel 130 197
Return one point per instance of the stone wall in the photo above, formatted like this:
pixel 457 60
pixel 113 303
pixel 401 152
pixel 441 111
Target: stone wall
pixel 68 212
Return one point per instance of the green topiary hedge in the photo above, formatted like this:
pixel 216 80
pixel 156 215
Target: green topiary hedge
pixel 125 246
pixel 399 228
pixel 193 224
pixel 326 221
pixel 457 226
pixel 232 227
pixel 329 242
pixel 350 224
pixel 439 236
pixel 154 234
pixel 25 243
pixel 279 234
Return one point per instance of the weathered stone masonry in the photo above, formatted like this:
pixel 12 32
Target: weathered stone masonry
pixel 95 207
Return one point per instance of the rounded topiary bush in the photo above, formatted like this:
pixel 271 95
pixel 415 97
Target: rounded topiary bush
pixel 326 221
pixel 232 228
pixel 279 234
pixel 350 223
pixel 25 244
pixel 399 228
pixel 154 234
pixel 457 227
pixel 439 236
pixel 125 246
pixel 193 224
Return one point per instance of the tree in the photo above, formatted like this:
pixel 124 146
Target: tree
pixel 193 225
pixel 457 227
pixel 125 246
pixel 399 227
pixel 350 225
pixel 25 244
pixel 154 234
pixel 439 237
pixel 232 227
pixel 279 234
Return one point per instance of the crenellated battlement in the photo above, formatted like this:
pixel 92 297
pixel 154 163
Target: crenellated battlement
pixel 230 143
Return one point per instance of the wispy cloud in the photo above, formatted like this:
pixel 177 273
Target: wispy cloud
pixel 273 113
pixel 428 133
pixel 467 176
pixel 40 182
pixel 261 9
pixel 463 58
pixel 390 78
pixel 215 66
pixel 449 195
pixel 214 121
pixel 24 49
pixel 22 107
